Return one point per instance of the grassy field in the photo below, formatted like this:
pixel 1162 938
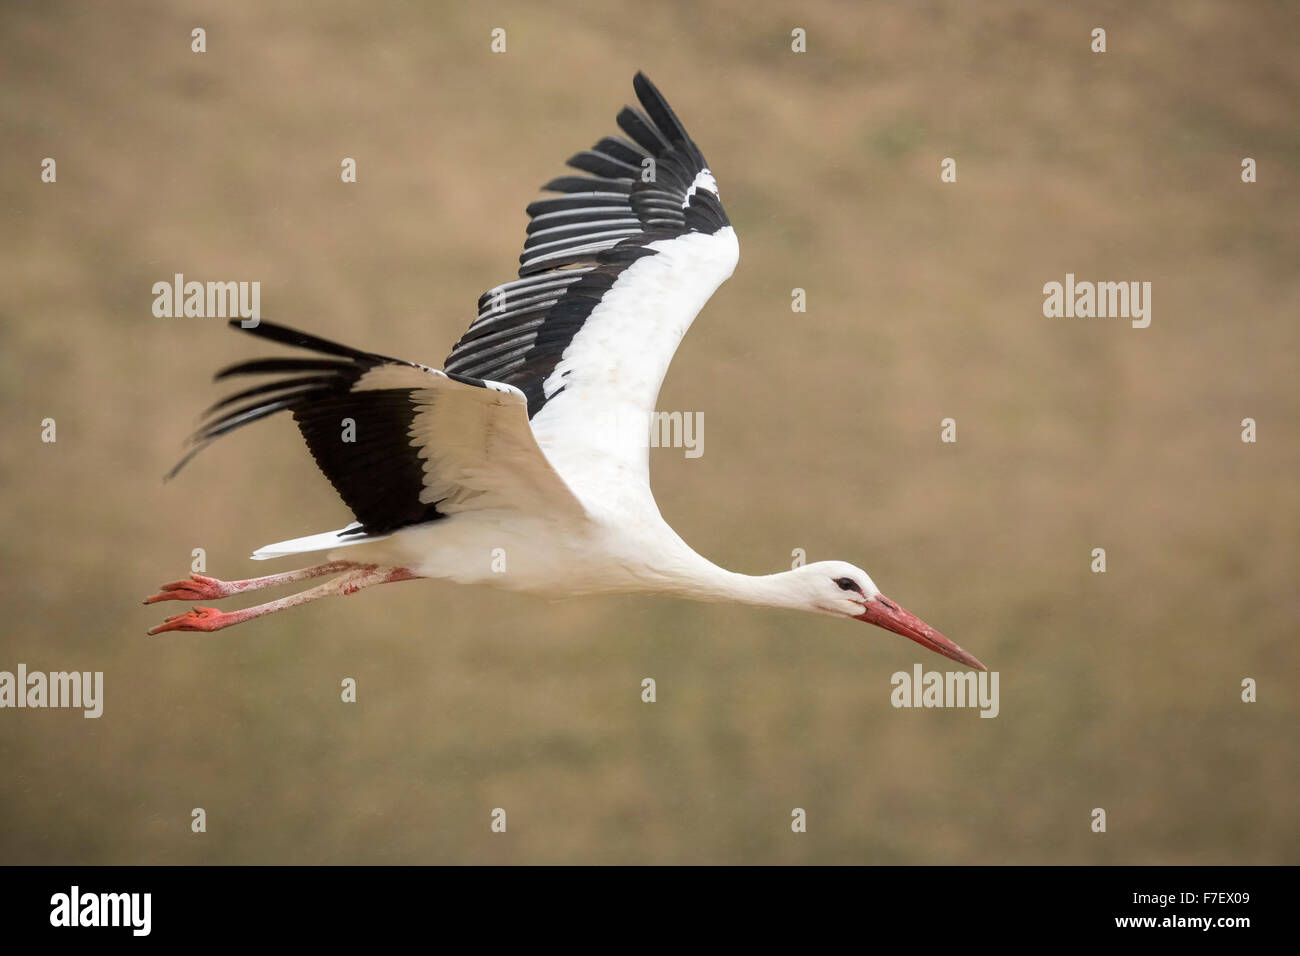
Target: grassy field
pixel 1118 690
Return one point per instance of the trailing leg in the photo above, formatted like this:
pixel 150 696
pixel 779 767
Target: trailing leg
pixel 359 577
pixel 200 588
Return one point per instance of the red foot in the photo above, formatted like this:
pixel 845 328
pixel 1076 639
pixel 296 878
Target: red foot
pixel 199 619
pixel 196 588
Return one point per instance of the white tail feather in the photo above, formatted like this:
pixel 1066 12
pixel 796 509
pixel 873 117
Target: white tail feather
pixel 324 541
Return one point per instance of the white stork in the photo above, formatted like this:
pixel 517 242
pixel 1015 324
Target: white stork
pixel 521 442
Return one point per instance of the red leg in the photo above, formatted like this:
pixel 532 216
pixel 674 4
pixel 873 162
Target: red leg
pixel 199 588
pixel 210 619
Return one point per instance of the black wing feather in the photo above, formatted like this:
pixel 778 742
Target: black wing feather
pixel 580 242
pixel 379 474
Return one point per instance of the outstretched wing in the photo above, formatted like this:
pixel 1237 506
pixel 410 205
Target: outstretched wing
pixel 613 272
pixel 402 443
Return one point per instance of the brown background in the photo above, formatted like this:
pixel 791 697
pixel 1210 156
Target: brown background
pixel 1119 690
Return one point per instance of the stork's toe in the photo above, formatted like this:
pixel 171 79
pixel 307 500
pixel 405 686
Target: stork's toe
pixel 195 588
pixel 198 619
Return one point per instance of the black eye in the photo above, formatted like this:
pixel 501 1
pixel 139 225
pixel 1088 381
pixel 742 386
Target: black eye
pixel 848 584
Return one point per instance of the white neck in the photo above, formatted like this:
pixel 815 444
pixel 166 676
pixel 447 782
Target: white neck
pixel 683 572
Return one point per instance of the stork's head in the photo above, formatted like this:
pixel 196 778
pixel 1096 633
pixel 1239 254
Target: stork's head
pixel 838 588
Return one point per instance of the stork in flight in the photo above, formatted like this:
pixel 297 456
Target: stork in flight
pixel 521 442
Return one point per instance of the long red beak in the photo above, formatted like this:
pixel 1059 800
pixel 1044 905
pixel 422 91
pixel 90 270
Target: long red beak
pixel 883 612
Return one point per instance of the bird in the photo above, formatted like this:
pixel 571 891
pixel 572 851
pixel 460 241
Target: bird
pixel 518 463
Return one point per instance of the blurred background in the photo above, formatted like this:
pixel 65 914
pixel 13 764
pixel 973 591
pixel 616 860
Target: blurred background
pixel 1119 690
